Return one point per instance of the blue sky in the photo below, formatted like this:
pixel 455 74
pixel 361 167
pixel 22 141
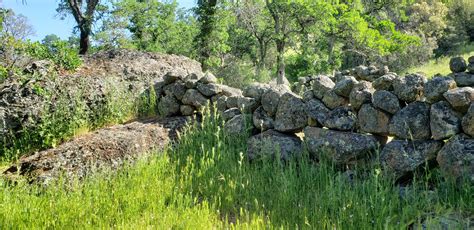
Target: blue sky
pixel 42 16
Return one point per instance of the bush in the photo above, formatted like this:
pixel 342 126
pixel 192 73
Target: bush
pixel 58 52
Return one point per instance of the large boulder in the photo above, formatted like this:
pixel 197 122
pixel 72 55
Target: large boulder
pixel 470 67
pixel 457 64
pixel 412 122
pixel 247 104
pixel 322 84
pixel 233 101
pixel 230 113
pixel 271 98
pixel 361 94
pixel 344 87
pixel 410 87
pixel 384 82
pixel 464 79
pixel 340 147
pixel 386 101
pixel 168 106
pixel 291 114
pixel 444 121
pixel 401 157
pixel 238 125
pixel 341 118
pixel 272 144
pixel 362 71
pixel 221 103
pixel 255 90
pixel 316 111
pixel 106 149
pixel 261 120
pixel 332 100
pixel 456 158
pixel 194 98
pixel 435 88
pixel 209 90
pixel 230 91
pixel 308 95
pixel 177 89
pixel 186 110
pixel 208 78
pixel 460 98
pixel 372 120
pixel 467 121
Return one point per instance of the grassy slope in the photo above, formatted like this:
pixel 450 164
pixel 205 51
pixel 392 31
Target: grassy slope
pixel 205 182
pixel 441 65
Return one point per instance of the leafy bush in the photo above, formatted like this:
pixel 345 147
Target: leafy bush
pixel 58 52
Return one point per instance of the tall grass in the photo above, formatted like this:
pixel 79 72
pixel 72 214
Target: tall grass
pixel 206 182
pixel 441 65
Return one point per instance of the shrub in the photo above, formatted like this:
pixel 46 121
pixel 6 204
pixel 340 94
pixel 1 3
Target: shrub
pixel 59 52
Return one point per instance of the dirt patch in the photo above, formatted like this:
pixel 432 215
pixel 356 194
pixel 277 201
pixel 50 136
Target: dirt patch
pixel 105 148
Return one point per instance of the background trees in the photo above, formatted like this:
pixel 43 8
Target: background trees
pixel 249 40
pixel 85 16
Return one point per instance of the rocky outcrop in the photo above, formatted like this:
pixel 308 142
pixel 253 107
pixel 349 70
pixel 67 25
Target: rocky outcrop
pixel 104 149
pixel 106 74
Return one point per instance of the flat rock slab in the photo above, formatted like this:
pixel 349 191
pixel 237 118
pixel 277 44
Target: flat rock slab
pixel 340 147
pixel 105 148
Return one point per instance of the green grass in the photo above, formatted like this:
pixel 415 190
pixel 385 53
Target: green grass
pixel 441 65
pixel 205 182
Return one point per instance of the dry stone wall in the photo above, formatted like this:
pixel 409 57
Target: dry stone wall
pixel 346 118
pixel 408 120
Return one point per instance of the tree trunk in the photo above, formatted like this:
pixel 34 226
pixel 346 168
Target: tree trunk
pixel 280 62
pixel 84 43
pixel 206 11
pixel 263 54
pixel 331 51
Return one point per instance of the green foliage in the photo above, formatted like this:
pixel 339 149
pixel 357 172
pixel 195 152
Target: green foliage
pixel 206 182
pixel 158 26
pixel 59 52
pixel 3 73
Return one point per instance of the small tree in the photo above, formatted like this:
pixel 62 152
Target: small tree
pixel 285 26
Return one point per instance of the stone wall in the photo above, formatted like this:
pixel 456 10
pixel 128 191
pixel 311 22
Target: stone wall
pixel 346 118
pixel 408 120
